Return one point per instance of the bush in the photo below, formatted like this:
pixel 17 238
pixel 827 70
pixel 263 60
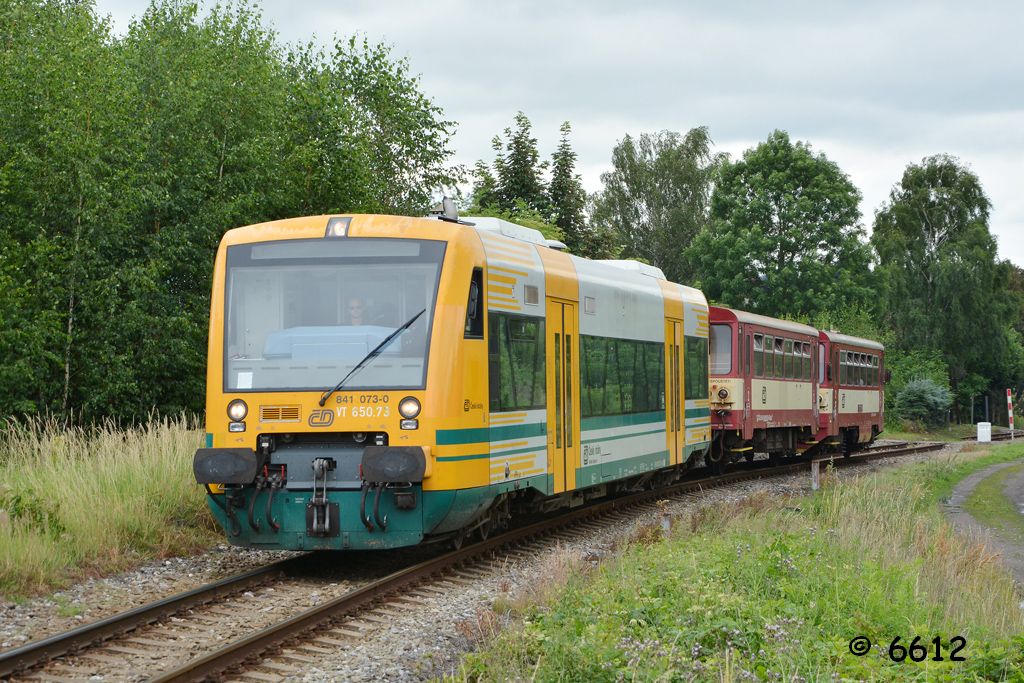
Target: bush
pixel 923 400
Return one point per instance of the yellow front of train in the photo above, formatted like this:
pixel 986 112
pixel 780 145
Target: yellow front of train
pixel 337 349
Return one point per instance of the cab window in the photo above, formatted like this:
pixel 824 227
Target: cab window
pixel 721 349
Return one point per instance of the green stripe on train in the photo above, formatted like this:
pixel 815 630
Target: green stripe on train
pixel 543 448
pixel 622 436
pixel 627 467
pixel 608 421
pixel 697 412
pixel 455 437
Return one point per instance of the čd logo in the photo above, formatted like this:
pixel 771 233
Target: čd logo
pixel 321 418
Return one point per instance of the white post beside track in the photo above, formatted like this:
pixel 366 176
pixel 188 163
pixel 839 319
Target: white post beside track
pixel 1009 410
pixel 815 475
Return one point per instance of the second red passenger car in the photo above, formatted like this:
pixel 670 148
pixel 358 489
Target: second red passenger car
pixel 775 388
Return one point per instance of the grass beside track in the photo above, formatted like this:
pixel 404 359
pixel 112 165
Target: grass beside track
pixel 989 504
pixel 953 432
pixel 774 588
pixel 77 502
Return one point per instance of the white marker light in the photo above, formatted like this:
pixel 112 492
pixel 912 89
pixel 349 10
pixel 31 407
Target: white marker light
pixel 237 410
pixel 409 407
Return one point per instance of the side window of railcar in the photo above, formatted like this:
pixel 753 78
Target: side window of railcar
pixel 620 376
pixel 516 362
pixel 875 377
pixel 746 363
pixel 758 355
pixel 821 363
pixel 475 306
pixel 779 362
pixel 788 351
pixel 769 357
pixel 696 368
pixel 843 369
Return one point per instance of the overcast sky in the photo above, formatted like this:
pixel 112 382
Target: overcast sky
pixel 874 85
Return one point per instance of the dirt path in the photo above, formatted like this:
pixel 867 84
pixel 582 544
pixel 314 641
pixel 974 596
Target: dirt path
pixel 1011 550
pixel 1014 490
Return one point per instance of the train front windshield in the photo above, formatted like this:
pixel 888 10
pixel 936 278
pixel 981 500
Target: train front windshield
pixel 300 314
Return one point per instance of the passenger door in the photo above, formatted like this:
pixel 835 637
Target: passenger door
pixel 563 389
pixel 674 388
pixel 836 376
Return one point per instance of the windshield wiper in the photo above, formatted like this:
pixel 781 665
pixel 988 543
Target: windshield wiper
pixel 371 355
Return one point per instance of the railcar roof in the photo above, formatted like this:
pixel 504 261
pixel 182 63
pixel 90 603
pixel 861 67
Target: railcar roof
pixel 765 321
pixel 508 229
pixel 694 296
pixel 838 338
pixel 634 266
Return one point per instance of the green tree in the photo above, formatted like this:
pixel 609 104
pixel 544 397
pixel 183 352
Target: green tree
pixel 61 114
pixel 566 196
pixel 484 195
pixel 402 131
pixel 124 160
pixel 656 197
pixel 518 169
pixel 945 288
pixel 785 238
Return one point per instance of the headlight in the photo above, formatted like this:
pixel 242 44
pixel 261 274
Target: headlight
pixel 723 393
pixel 237 410
pixel 409 407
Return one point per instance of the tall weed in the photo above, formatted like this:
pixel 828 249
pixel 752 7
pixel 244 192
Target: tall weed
pixel 77 500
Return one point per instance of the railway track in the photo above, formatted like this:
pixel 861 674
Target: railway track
pixel 1001 436
pixel 333 622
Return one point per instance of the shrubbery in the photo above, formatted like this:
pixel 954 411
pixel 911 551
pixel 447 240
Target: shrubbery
pixel 923 400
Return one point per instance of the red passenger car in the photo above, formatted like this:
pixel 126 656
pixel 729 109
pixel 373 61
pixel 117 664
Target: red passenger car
pixel 851 397
pixel 764 386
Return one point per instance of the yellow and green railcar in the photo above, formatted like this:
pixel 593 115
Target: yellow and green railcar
pixel 378 381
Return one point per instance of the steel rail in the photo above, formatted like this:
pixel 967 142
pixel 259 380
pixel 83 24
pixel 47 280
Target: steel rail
pixel 238 652
pixel 1001 436
pixel 40 651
